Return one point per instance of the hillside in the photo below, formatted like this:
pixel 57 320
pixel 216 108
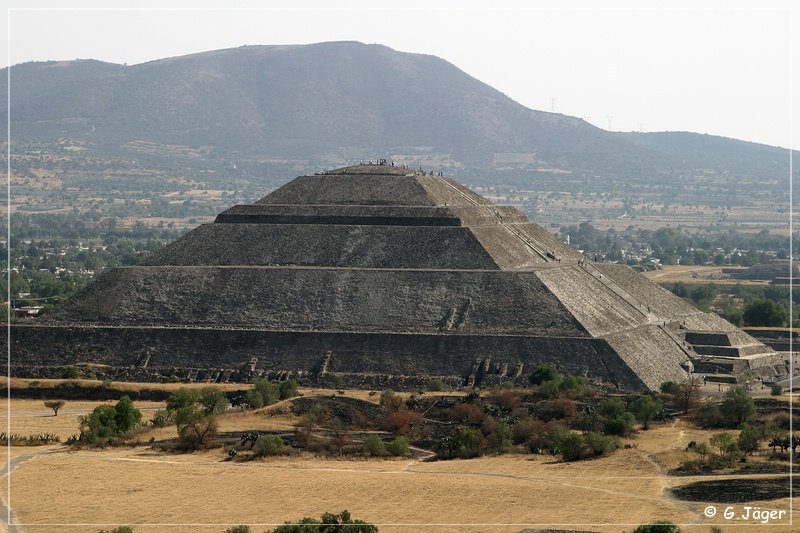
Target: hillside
pixel 331 103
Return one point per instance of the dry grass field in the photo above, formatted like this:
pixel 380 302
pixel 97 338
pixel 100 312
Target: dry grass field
pixel 58 489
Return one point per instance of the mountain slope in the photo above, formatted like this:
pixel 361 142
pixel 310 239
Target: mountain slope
pixel 344 101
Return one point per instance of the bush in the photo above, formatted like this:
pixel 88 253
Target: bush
pixel 570 445
pixel 399 447
pixel 776 390
pixel 269 445
pixel 437 385
pixel 748 440
pixel 127 417
pixel 70 372
pixel 238 529
pixel 659 526
pixel 390 400
pixel 600 444
pixel 213 400
pixel 120 529
pixel 108 421
pixel 543 373
pixel 163 418
pixel 620 425
pixel 401 422
pixel 469 443
pixel 327 524
pixel 466 412
pixel 373 445
pixel 288 389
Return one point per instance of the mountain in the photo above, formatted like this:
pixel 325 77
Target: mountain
pixel 338 102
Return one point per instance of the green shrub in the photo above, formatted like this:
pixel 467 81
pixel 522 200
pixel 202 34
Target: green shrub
pixel 469 443
pixel 269 445
pixel 288 389
pixel 570 445
pixel 127 417
pixel 600 444
pixel 399 447
pixel 620 425
pixel 327 524
pixel 70 372
pixel 543 373
pixel 238 529
pixel 437 385
pixel 99 424
pixel 120 529
pixel 659 526
pixel 373 445
pixel 776 390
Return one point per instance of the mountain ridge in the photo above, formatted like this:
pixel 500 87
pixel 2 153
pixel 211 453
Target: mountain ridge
pixel 344 101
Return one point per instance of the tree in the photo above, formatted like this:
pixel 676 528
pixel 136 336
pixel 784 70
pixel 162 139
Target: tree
pixel 748 439
pixel 684 394
pixel 127 416
pixel 764 312
pixel 288 389
pixel 238 529
pixel 737 404
pixel 645 407
pixel 702 450
pixel 213 400
pixel 181 399
pixel 726 445
pixel 195 427
pixel 120 529
pixel 55 405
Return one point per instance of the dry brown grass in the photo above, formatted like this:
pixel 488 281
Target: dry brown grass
pixel 130 486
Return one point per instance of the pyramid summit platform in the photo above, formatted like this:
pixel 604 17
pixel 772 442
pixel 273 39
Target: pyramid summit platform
pixel 382 276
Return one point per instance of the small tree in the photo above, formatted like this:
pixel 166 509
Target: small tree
pixel 127 416
pixel 288 389
pixel 195 427
pixel 120 529
pixel 777 389
pixel 55 405
pixel 737 405
pixel 238 529
pixel 748 440
pixel 726 445
pixel 702 450
pixel 645 407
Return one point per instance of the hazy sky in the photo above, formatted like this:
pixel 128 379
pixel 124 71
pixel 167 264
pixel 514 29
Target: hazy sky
pixel 723 68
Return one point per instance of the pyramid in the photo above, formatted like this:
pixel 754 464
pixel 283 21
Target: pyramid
pixel 379 276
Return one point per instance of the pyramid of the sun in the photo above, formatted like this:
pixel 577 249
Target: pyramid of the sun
pixel 383 276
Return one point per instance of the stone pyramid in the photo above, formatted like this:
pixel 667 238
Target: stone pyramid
pixel 378 276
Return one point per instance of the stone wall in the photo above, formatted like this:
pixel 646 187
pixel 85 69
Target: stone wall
pixel 317 299
pixel 459 357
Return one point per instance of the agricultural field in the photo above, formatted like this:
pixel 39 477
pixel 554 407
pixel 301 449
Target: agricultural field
pixel 56 487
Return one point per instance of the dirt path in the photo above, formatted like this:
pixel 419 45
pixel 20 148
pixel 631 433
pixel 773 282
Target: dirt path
pixel 9 467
